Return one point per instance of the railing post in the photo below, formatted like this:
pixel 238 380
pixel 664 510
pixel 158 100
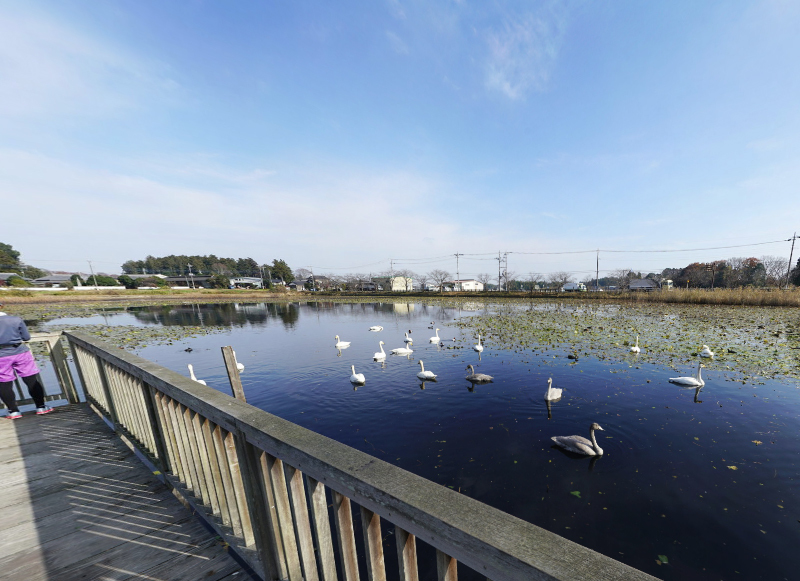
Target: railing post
pixel 112 409
pixel 256 506
pixel 157 428
pixel 59 361
pixel 233 373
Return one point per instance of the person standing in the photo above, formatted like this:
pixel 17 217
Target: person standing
pixel 16 360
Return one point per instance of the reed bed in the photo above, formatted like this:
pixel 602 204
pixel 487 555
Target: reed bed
pixel 724 296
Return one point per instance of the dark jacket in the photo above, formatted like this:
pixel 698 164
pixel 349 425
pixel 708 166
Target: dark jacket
pixel 12 334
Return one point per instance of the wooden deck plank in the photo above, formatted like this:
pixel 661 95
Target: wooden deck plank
pixel 78 504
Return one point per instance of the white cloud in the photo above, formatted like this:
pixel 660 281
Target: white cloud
pixel 50 69
pixel 523 51
pixel 396 43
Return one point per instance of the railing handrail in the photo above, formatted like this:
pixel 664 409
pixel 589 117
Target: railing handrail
pixel 494 543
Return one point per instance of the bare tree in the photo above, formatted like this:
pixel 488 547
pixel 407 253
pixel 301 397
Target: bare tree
pixel 484 278
pixel 622 276
pixel 439 277
pixel 508 277
pixel 534 279
pixel 560 278
pixel 776 267
pixel 423 279
pixel 302 274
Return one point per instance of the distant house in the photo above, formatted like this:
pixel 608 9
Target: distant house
pixel 53 280
pixel 297 285
pixel 246 281
pixel 142 276
pixel 319 282
pixel 4 276
pixel 395 283
pixel 196 281
pixel 644 284
pixel 469 284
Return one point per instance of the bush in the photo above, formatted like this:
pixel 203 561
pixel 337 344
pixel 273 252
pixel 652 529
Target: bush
pixel 100 280
pixel 17 281
pixel 220 281
pixel 128 282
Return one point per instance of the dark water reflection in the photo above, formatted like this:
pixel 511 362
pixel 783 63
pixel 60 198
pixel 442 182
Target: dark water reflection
pixel 708 479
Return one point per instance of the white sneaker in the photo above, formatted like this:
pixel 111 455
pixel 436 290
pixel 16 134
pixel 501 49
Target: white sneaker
pixel 13 416
pixel 43 410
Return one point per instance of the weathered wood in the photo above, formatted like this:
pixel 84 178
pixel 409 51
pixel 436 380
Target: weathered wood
pixel 487 540
pixel 252 478
pixel 59 360
pixel 233 373
pixel 185 471
pixel 227 481
pixel 302 523
pixel 446 567
pixel 205 465
pixel 277 478
pixel 216 472
pixel 406 555
pixel 346 537
pixel 322 529
pixel 201 488
pixel 373 544
pixel 156 427
pixel 239 489
pixel 168 430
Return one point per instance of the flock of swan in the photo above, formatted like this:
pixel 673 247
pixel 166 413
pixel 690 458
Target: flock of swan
pixel 575 444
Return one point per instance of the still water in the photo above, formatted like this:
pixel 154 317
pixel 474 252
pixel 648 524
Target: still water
pixel 692 485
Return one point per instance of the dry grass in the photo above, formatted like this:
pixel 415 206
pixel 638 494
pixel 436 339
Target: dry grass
pixel 725 296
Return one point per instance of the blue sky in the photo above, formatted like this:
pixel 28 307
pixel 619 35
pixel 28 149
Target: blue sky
pixel 340 135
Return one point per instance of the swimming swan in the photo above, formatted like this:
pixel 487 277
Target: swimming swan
pixel 579 444
pixel 402 351
pixel 478 347
pixel 552 393
pixel 408 339
pixel 436 339
pixel 478 377
pixel 191 374
pixel 341 344
pixel 635 348
pixel 376 328
pixel 425 374
pixel 239 366
pixel 706 352
pixel 357 378
pixel 380 354
pixel 696 381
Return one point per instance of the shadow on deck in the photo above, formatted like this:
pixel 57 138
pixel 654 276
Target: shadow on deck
pixel 76 503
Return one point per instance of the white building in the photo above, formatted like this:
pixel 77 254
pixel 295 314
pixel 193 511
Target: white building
pixel 464 285
pixel 395 283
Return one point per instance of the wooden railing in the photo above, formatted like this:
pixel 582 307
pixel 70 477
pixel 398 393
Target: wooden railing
pixel 264 484
pixel 58 358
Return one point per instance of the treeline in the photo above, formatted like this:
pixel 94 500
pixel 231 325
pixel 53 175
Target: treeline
pixel 733 273
pixel 179 265
pixel 10 262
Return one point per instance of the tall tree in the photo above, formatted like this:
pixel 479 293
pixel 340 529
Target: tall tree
pixel 484 278
pixel 560 278
pixel 282 271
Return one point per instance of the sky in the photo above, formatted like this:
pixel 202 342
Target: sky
pixel 341 135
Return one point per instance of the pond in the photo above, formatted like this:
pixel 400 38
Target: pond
pixel 693 484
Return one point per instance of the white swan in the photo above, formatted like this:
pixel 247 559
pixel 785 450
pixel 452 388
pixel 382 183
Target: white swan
pixel 436 339
pixel 376 328
pixel 706 352
pixel 478 377
pixel 380 354
pixel 552 393
pixel 341 344
pixel 635 348
pixel 478 347
pixel 579 444
pixel 696 381
pixel 357 378
pixel 191 374
pixel 425 374
pixel 408 339
pixel 402 351
pixel 239 366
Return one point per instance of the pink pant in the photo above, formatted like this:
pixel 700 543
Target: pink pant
pixel 21 364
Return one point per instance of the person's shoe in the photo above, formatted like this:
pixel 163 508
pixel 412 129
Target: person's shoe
pixel 43 410
pixel 13 416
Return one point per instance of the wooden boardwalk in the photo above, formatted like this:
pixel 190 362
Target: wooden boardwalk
pixel 76 503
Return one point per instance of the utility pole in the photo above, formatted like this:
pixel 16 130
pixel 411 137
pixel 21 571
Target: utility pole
pixel 391 275
pixel 93 276
pixel 791 253
pixel 191 275
pixel 505 268
pixel 597 273
pixel 458 275
pixel 499 279
pixel 313 280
